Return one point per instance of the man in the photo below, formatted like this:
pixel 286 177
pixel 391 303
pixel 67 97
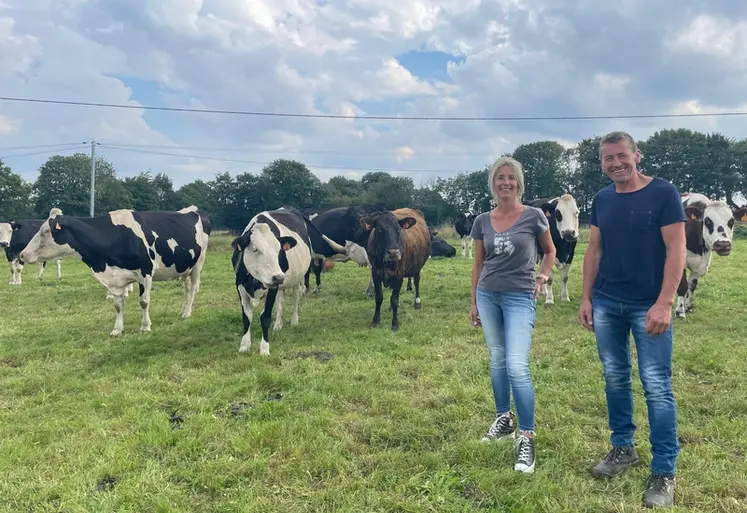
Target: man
pixel 632 267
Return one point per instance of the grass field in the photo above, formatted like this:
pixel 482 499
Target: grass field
pixel 340 417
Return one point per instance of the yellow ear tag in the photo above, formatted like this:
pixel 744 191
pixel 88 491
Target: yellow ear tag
pixel 286 246
pixel 548 214
pixel 743 218
pixel 57 226
pixel 692 216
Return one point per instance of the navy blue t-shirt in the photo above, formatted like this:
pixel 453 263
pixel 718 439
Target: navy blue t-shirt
pixel 631 268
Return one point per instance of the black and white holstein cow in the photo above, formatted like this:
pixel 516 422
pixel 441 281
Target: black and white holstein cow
pixel 124 247
pixel 14 236
pixel 709 229
pixel 562 216
pixel 463 227
pixel 272 255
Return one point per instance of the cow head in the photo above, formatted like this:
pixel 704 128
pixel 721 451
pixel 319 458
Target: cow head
pixel 439 247
pixel 263 254
pixel 717 221
pixel 53 240
pixel 6 232
pixel 387 234
pixel 563 211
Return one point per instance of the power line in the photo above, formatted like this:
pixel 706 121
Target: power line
pixel 220 159
pixel 395 118
pixel 36 146
pixel 5 157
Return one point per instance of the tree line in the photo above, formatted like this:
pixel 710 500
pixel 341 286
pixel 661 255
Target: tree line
pixel 693 161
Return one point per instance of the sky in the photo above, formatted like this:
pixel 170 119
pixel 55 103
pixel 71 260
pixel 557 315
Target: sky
pixel 416 58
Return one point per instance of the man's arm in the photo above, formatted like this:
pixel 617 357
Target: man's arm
pixel 674 240
pixel 591 262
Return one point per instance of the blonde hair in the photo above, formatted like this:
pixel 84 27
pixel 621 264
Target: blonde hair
pixel 518 170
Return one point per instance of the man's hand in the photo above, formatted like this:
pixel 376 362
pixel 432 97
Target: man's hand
pixel 658 318
pixel 585 315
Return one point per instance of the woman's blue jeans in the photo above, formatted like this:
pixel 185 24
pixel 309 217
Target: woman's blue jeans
pixel 508 323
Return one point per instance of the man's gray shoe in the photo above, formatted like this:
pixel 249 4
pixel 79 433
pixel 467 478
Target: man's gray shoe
pixel 617 460
pixel 660 492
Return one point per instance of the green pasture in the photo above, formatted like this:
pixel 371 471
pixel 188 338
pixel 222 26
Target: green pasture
pixel 340 417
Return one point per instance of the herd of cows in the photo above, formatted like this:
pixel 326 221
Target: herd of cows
pixel 279 249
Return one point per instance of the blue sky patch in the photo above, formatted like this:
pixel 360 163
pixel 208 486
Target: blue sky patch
pixel 429 65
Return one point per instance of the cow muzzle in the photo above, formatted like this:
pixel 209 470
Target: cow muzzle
pixel 277 279
pixel 722 247
pixel 4 244
pixel 569 235
pixel 394 255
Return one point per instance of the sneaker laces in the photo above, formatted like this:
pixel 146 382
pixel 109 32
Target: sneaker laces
pixel 525 449
pixel 500 423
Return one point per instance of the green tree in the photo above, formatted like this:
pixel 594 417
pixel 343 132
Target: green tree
pixel 14 195
pixel 342 191
pixel 391 192
pixel 143 192
pixel 546 172
pixel 167 197
pixel 65 181
pixel 289 182
pixel 586 173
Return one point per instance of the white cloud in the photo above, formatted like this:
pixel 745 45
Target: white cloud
pixel 511 58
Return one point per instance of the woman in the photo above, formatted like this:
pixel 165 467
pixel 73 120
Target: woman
pixel 504 294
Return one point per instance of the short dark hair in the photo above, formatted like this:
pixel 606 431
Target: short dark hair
pixel 616 137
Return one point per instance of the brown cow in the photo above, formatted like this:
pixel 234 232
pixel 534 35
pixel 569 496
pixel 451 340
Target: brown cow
pixel 399 245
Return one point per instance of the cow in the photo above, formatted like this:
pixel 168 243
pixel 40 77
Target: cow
pixel 341 225
pixel 14 236
pixel 562 216
pixel 272 255
pixel 124 247
pixel 463 227
pixel 399 245
pixel 709 229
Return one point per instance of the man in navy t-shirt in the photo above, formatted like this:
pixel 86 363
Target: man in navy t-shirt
pixel 633 264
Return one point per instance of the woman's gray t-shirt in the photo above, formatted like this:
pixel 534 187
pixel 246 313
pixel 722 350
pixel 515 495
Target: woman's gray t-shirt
pixel 510 256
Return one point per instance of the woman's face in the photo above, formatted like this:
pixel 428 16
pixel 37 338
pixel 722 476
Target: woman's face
pixel 505 183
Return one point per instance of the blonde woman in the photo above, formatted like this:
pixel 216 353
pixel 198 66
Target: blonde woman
pixel 504 294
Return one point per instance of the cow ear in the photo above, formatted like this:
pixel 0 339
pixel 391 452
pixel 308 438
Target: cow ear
pixel 287 242
pixel 14 226
pixel 548 209
pixel 407 222
pixel 55 225
pixel 694 212
pixel 367 223
pixel 740 214
pixel 242 241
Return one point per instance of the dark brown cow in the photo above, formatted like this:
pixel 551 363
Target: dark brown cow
pixel 399 245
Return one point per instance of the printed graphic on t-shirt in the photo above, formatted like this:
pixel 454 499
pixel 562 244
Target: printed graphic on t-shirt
pixel 503 245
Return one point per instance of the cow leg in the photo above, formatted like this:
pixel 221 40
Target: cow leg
pixel 418 305
pixel 279 315
pixel 469 245
pixel 296 299
pixel 119 318
pixel 246 315
pixel 379 295
pixel 306 278
pixel 12 280
pixel 264 319
pixel 318 266
pixel 396 286
pixel 692 285
pixel 145 289
pixel 370 289
pixel 682 290
pixel 565 270
pixel 409 284
pixel 464 246
pixel 16 269
pixel 59 268
pixel 40 273
pixel 187 287
pixel 549 297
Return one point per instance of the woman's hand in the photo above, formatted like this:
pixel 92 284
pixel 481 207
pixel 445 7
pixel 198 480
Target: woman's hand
pixel 541 280
pixel 474 316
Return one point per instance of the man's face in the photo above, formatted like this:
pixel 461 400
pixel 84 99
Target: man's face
pixel 619 161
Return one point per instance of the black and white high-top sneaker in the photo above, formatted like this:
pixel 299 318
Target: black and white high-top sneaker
pixel 525 454
pixel 502 427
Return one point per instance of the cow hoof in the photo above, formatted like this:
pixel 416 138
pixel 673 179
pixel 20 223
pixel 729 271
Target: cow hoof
pixel 145 329
pixel 264 348
pixel 418 306
pixel 115 333
pixel 395 328
pixel 374 324
pixel 277 327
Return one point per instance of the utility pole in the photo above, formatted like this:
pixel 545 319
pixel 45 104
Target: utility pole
pixel 93 174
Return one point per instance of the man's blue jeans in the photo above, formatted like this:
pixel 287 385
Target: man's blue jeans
pixel 508 322
pixel 613 323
